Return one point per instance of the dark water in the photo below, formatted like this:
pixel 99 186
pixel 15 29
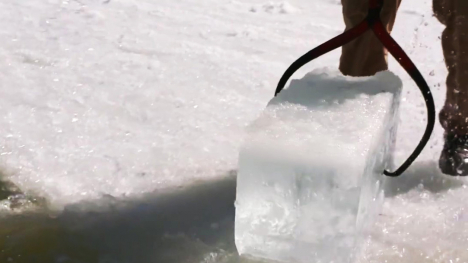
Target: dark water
pixel 193 224
pixel 188 225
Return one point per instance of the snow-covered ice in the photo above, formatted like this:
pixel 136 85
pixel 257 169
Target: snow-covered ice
pixel 124 98
pixel 311 168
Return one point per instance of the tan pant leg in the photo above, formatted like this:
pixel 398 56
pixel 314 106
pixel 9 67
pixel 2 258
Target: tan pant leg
pixel 454 15
pixel 365 55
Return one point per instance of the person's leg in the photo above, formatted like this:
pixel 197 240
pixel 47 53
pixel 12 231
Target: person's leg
pixel 454 15
pixel 365 55
pixel 454 115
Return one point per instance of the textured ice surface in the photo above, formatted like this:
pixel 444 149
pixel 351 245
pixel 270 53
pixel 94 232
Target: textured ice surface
pixel 424 219
pixel 310 171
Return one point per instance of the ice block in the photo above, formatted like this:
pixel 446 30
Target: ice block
pixel 311 167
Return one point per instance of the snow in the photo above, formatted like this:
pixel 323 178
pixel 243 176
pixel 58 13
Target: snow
pixel 310 169
pixel 125 98
pixel 121 98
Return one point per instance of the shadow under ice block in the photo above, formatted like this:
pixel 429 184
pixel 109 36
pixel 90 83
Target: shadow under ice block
pixel 311 168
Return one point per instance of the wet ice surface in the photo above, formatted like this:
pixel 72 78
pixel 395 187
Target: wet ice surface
pixel 193 224
pixel 196 224
pixel 111 101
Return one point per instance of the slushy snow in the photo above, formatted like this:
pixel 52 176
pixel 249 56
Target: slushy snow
pixel 310 170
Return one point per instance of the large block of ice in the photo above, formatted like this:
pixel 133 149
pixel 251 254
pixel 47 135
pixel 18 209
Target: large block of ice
pixel 310 169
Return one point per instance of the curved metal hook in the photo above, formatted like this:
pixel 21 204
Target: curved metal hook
pixel 373 22
pixel 398 53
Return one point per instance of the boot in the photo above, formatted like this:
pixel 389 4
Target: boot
pixel 454 157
